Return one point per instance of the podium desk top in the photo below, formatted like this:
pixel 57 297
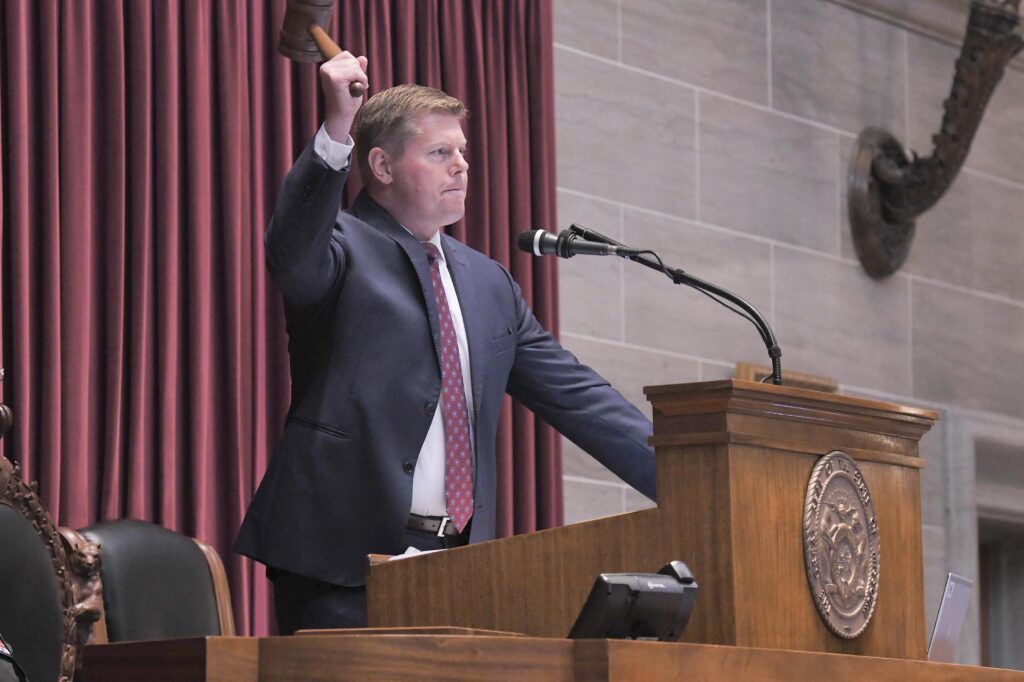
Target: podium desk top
pixel 398 657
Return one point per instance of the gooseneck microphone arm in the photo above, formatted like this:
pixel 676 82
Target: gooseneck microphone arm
pixel 716 293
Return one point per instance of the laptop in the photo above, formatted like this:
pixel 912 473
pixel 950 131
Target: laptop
pixel 952 611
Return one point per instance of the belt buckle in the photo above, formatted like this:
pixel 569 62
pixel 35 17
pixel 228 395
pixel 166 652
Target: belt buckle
pixel 444 523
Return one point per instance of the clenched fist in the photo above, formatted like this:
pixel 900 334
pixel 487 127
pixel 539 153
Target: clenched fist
pixel 340 106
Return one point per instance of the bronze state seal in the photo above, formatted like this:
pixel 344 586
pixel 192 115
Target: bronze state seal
pixel 841 545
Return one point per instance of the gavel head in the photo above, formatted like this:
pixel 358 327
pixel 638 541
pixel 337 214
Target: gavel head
pixel 295 41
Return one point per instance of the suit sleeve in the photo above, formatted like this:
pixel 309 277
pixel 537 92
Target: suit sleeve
pixel 579 403
pixel 303 251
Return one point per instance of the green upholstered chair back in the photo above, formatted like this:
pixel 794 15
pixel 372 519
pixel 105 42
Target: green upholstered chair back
pixel 36 597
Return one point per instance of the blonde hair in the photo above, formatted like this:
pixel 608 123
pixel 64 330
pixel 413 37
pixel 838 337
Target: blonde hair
pixel 387 119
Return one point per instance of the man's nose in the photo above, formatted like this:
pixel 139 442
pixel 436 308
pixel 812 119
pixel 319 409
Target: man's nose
pixel 461 164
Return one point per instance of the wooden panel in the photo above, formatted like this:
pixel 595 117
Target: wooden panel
pixel 768 490
pixel 221 589
pixel 767 496
pixel 731 509
pixel 620 661
pixel 730 390
pixel 816 449
pixel 231 659
pixel 696 523
pixel 213 659
pixel 435 657
pixel 414 657
pixel 435 630
pixel 789 415
pixel 534 584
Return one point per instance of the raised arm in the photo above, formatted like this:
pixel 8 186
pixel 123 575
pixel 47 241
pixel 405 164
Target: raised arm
pixel 304 256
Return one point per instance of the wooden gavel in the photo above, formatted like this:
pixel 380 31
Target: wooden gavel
pixel 303 37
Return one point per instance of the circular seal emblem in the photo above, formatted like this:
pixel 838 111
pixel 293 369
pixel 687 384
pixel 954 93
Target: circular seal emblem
pixel 841 545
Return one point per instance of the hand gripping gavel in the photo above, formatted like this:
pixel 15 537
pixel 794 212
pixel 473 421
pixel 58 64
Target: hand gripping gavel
pixel 303 38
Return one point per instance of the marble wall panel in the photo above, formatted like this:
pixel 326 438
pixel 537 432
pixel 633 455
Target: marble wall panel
pixel 588 25
pixel 1001 461
pixel 933 541
pixel 624 136
pixel 577 463
pixel 945 18
pixel 679 319
pixel 714 371
pixel 930 75
pixel 716 44
pixel 838 67
pixel 834 320
pixel 933 476
pixel 627 135
pixel 585 500
pixel 590 289
pixel 768 175
pixel 968 350
pixel 998 146
pixel 962 522
pixel 847 250
pixel 973 237
pixel 634 501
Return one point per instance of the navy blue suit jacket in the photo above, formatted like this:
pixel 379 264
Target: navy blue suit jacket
pixel 363 343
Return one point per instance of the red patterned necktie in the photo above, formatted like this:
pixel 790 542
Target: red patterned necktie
pixel 458 468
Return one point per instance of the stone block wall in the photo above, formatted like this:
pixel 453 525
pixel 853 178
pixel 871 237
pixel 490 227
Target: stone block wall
pixel 718 132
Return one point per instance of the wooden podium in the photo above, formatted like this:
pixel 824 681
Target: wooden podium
pixel 733 459
pixel 401 656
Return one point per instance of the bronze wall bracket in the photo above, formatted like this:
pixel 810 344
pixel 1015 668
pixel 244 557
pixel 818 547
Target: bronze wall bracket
pixel 888 189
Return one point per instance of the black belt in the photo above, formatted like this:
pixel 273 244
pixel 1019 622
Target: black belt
pixel 441 526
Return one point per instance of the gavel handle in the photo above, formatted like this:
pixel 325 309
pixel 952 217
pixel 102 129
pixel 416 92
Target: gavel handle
pixel 329 49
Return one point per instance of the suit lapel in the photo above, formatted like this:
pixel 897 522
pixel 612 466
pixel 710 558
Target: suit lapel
pixel 369 211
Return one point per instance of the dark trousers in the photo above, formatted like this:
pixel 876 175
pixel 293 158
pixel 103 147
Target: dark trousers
pixel 302 603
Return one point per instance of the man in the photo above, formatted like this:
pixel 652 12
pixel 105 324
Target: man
pixel 402 343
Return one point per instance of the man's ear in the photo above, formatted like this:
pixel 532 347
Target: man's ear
pixel 380 165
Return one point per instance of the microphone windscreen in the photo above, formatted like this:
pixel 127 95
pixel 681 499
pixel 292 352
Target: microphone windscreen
pixel 526 240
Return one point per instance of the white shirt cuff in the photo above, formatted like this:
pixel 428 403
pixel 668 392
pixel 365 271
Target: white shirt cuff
pixel 335 154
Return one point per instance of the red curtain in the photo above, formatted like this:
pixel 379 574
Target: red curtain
pixel 143 144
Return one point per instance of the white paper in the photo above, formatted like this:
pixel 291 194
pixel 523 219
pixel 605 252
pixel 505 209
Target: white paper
pixel 412 551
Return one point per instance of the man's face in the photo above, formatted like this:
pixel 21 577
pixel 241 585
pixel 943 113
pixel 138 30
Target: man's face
pixel 429 179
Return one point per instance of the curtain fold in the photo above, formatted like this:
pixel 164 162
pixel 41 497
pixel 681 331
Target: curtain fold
pixel 143 145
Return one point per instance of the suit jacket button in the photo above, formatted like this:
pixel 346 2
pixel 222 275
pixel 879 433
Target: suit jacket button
pixel 429 408
pixel 408 467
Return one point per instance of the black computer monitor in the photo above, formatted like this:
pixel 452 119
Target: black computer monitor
pixel 638 605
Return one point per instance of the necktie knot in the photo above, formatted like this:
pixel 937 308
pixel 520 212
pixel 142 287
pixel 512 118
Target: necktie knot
pixel 432 253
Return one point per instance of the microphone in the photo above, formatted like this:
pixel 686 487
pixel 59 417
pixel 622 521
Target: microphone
pixel 566 245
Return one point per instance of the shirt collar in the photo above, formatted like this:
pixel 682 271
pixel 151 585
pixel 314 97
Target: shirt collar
pixel 435 240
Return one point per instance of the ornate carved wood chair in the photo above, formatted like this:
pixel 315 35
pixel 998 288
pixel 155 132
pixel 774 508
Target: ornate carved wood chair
pixel 37 607
pixel 158 584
